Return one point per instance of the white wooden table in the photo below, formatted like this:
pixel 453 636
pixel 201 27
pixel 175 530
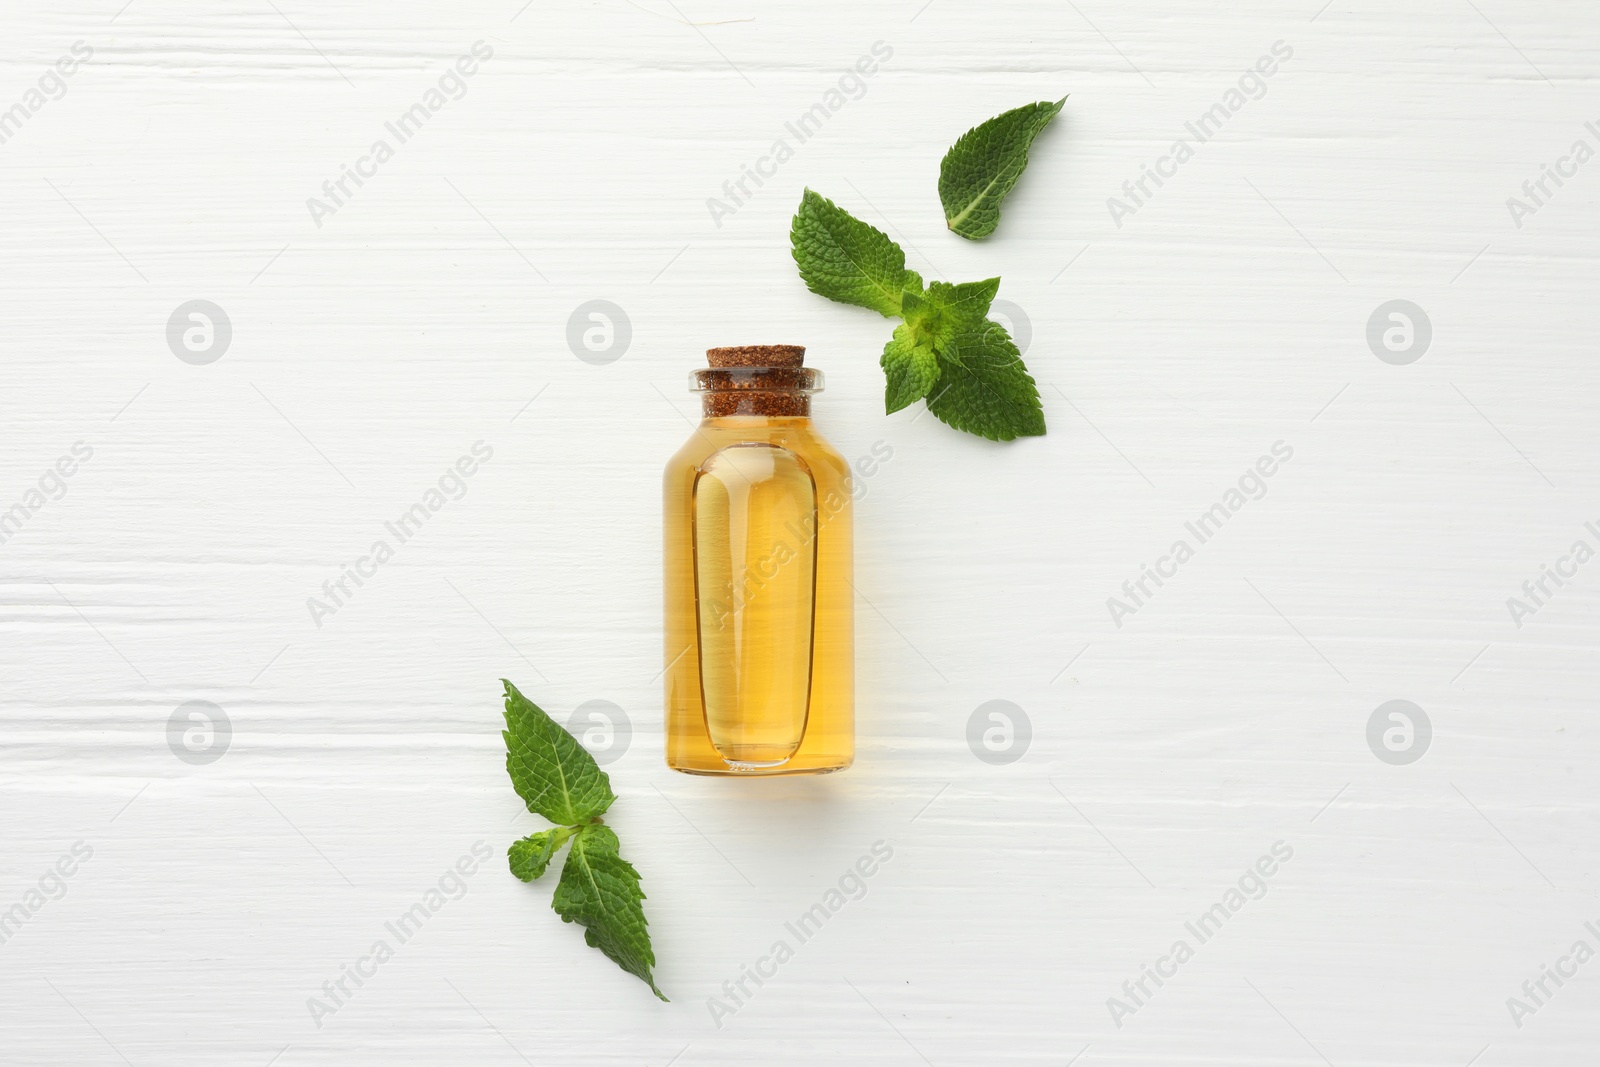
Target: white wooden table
pixel 221 878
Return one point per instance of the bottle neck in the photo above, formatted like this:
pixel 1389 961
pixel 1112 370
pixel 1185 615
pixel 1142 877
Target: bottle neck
pixel 720 404
pixel 776 392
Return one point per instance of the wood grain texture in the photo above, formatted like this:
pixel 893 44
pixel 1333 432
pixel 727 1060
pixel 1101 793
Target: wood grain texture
pixel 430 311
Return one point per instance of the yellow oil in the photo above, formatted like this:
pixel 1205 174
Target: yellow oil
pixel 760 672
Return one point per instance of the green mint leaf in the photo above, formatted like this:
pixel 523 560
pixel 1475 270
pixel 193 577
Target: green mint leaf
pixel 985 389
pixel 552 773
pixel 956 310
pixel 910 366
pixel 985 162
pixel 842 258
pixel 967 302
pixel 531 856
pixel 600 891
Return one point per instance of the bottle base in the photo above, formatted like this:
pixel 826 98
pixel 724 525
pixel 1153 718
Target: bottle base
pixel 725 769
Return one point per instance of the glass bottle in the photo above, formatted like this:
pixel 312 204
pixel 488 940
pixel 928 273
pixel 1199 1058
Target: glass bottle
pixel 760 649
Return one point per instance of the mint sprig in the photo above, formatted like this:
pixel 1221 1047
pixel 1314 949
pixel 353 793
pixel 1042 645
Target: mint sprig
pixel 558 779
pixel 945 349
pixel 985 162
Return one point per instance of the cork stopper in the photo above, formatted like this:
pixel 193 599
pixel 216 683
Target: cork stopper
pixel 768 380
pixel 757 356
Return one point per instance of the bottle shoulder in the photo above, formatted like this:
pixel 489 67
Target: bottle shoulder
pixel 798 436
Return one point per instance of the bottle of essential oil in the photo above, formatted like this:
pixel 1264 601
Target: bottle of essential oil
pixel 760 649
